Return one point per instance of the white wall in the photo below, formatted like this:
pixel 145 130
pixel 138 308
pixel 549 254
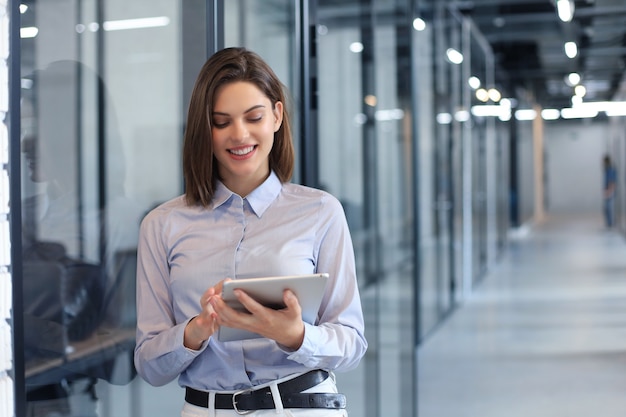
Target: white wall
pixel 6 346
pixel 574 151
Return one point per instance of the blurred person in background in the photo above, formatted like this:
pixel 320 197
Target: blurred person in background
pixel 610 177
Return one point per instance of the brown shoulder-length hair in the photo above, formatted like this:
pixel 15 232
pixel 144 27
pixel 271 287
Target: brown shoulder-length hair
pixel 199 164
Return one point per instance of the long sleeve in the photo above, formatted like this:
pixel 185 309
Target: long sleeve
pixel 338 341
pixel 160 355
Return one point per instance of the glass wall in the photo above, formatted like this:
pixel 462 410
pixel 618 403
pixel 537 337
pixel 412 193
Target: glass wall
pixel 365 145
pixel 463 204
pixel 437 93
pixel 347 131
pixel 103 103
pixel 382 121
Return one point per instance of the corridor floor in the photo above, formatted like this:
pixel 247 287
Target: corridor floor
pixel 542 335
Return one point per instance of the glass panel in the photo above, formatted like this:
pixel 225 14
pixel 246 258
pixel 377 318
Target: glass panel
pixel 267 27
pixel 103 107
pixel 480 126
pixel 393 189
pixel 440 166
pixel 344 128
pixel 365 160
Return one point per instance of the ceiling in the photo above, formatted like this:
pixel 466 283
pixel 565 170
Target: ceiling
pixel 528 39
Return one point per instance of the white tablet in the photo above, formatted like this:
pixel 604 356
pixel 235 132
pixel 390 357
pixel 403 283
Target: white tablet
pixel 269 291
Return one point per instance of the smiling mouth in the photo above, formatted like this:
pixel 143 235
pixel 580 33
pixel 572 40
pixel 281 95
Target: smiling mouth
pixel 242 151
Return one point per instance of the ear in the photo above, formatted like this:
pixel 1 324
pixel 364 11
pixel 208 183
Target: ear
pixel 278 115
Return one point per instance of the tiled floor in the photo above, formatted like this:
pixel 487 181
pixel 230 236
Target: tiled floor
pixel 543 335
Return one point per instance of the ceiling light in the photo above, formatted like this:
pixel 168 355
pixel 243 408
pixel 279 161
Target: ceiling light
pixel 606 106
pixel 474 82
pixel 573 79
pixel 505 117
pixel 454 56
pixel 387 115
pixel 462 116
pixel 444 118
pixel 28 32
pixel 23 8
pixel 616 112
pixel 494 95
pixel 550 114
pixel 571 50
pixel 565 10
pixel 356 47
pixel 525 114
pixel 146 22
pixel 482 95
pixel 490 110
pixel 578 113
pixel 419 24
pixel 580 90
pixel 370 100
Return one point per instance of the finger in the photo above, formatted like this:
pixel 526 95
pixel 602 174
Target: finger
pixel 248 302
pixel 204 299
pixel 220 285
pixel 291 301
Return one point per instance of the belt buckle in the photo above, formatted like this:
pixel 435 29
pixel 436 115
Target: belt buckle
pixel 235 395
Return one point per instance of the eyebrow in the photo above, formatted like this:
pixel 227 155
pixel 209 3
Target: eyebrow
pixel 246 111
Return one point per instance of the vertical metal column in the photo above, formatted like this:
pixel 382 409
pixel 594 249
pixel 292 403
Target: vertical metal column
pixel 214 26
pixel 307 60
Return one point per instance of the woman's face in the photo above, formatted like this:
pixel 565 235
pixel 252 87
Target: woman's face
pixel 243 127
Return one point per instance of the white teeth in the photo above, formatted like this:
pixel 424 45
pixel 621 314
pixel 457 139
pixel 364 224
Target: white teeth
pixel 242 151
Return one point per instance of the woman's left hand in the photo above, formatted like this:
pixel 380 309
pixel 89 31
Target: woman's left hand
pixel 285 326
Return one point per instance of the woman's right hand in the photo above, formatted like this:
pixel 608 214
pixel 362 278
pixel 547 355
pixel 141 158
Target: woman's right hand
pixel 204 325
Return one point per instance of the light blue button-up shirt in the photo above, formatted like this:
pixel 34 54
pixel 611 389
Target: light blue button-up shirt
pixel 279 229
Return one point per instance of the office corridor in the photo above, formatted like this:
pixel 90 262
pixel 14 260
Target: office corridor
pixel 543 335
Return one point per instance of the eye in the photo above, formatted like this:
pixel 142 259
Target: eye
pixel 255 117
pixel 219 124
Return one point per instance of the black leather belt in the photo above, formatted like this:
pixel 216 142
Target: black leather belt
pixel 261 399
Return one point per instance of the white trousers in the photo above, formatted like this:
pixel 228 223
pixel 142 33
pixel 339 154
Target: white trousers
pixel 327 386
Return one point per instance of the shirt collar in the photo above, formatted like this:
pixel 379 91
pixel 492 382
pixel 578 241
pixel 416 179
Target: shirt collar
pixel 259 199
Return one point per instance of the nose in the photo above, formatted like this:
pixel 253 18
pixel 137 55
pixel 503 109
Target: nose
pixel 240 131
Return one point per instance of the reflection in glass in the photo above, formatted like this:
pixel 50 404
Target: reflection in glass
pixel 78 248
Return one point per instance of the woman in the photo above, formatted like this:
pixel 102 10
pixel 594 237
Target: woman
pixel 241 218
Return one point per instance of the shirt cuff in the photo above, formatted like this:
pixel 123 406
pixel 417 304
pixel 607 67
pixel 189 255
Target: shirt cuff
pixel 308 348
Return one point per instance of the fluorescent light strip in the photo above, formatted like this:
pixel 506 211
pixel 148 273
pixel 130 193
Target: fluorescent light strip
pixel 146 22
pixel 492 110
pixel 550 114
pixel 578 113
pixel 606 106
pixel 525 114
pixel 616 112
